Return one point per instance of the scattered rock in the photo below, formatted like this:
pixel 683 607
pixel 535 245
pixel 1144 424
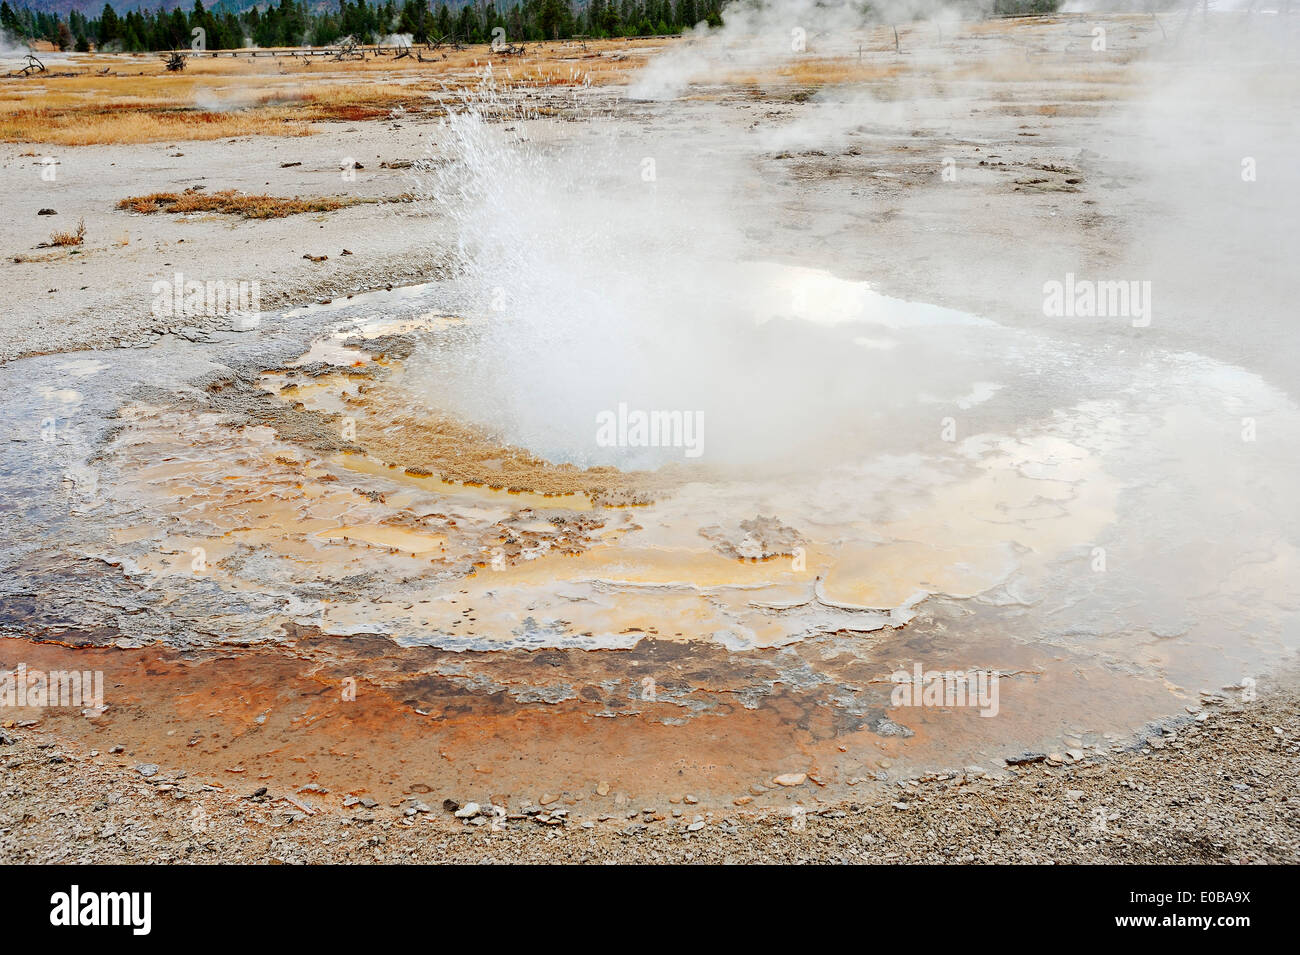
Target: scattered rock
pixel 1025 759
pixel 883 726
pixel 760 538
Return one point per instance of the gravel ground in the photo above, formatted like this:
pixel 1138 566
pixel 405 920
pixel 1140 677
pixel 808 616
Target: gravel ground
pixel 1221 791
pixel 102 294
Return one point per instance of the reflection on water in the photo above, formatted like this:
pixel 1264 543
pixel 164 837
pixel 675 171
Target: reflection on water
pixel 1119 529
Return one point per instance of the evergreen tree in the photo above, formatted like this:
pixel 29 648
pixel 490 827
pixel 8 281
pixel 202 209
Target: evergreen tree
pixel 109 28
pixel 296 22
pixel 8 19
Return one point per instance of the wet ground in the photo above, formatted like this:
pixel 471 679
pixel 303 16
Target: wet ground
pixel 294 563
pixel 360 546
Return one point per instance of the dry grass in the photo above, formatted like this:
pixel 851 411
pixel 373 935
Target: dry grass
pixel 232 202
pixel 122 124
pixel 1049 109
pixel 223 97
pixel 1042 70
pixel 822 71
pixel 70 238
pixel 83 118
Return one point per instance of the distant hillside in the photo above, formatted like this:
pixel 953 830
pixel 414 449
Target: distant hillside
pixel 92 8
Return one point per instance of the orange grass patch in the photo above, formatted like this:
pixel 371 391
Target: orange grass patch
pixel 75 237
pixel 232 202
pixel 129 123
